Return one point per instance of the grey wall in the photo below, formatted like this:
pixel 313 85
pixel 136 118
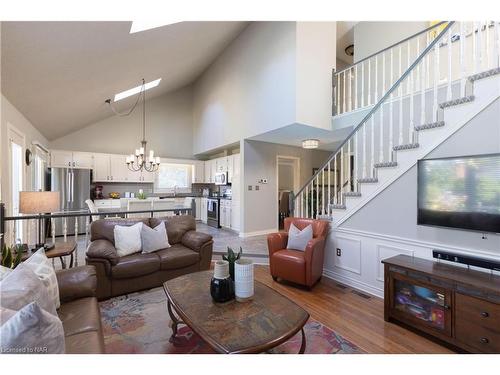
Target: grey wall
pixel 373 36
pixel 169 129
pixel 394 211
pixel 260 207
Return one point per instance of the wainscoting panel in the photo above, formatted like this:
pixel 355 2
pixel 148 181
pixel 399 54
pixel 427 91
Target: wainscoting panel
pixel 350 259
pixel 386 251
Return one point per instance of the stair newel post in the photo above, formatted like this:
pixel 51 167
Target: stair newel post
pixel 391 112
pixel 349 176
pixel 323 191
pixel 462 62
pixel 448 90
pixel 329 202
pixel 400 91
pixel 342 175
pixel 364 150
pixel 436 81
pixel 335 180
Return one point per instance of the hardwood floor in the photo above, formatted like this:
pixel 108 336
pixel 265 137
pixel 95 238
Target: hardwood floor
pixel 354 316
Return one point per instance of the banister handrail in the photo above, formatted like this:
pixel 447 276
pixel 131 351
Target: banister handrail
pixel 377 105
pixel 391 46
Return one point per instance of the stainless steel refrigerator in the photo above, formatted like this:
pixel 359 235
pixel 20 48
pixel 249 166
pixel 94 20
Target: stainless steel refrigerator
pixel 74 187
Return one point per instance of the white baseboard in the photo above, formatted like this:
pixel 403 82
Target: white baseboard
pixel 356 284
pixel 258 233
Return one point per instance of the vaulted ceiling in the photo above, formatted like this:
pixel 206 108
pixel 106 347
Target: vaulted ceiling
pixel 58 74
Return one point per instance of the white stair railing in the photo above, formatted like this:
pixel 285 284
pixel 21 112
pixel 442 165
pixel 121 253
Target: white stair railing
pixel 436 77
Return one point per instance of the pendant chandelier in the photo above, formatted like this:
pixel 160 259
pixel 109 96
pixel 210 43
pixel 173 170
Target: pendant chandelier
pixel 138 161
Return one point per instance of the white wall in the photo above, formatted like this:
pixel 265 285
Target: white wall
pixel 316 57
pixel 387 226
pixel 373 36
pixel 169 129
pixel 260 207
pixel 10 116
pixel 272 75
pixel 249 89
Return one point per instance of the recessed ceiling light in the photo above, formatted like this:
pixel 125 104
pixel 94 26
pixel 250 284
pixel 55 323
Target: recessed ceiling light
pixel 310 143
pixel 138 26
pixel 136 90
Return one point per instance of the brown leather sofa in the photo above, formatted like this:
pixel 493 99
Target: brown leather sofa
pixel 79 311
pixel 191 251
pixel 300 267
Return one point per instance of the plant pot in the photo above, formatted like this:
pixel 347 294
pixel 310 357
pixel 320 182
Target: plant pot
pixel 244 280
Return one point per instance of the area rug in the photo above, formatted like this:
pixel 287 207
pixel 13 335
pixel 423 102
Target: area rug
pixel 139 323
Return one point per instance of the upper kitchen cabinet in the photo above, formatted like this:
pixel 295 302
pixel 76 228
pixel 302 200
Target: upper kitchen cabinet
pixel 69 159
pixel 208 172
pixel 101 167
pixel 112 168
pixel 199 172
pixel 221 164
pixel 118 168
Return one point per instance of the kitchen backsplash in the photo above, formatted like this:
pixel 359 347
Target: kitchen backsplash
pixel 122 188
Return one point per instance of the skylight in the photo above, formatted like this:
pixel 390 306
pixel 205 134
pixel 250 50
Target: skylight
pixel 138 26
pixel 136 90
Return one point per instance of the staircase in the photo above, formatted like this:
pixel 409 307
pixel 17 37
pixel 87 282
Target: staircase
pixel 417 93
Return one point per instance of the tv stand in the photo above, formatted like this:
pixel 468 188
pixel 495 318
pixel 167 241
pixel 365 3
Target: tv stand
pixel 454 304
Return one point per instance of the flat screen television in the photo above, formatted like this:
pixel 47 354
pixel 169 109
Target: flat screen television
pixel 460 192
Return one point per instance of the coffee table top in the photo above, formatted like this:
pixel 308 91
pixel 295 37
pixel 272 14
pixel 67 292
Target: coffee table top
pixel 255 326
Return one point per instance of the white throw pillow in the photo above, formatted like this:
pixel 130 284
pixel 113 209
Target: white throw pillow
pixel 298 239
pixel 154 239
pixel 32 330
pixel 4 271
pixel 21 287
pixel 127 239
pixel 42 267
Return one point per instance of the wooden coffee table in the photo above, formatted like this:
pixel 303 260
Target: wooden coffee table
pixel 256 326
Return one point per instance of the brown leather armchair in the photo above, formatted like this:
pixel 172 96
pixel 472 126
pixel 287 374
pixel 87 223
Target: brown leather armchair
pixel 301 267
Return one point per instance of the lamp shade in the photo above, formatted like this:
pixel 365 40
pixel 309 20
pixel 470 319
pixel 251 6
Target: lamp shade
pixel 38 202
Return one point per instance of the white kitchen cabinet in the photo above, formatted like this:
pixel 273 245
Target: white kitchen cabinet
pixel 203 215
pixel 61 158
pixel 199 172
pixel 236 165
pixel 118 168
pixel 148 177
pixel 225 213
pixel 208 172
pixel 221 164
pixel 101 168
pixel 83 160
pixel 198 208
pixel 134 176
pixel 213 170
pixel 229 164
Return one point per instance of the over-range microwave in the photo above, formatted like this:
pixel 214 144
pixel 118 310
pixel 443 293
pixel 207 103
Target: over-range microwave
pixel 221 178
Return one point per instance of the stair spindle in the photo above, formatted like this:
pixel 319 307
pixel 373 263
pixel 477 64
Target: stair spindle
pixel 364 150
pixel 356 163
pixel 350 90
pixel 448 90
pixel 349 177
pixel 335 180
pixel 342 175
pixel 362 84
pixel 376 80
pixel 463 72
pixel 356 82
pixel 317 197
pixel 400 91
pixel 436 81
pixel 329 196
pixel 369 82
pixel 480 46
pixel 381 137
pixel 323 191
pixel 372 146
pixel 338 94
pixel 474 48
pixel 487 52
pixel 343 93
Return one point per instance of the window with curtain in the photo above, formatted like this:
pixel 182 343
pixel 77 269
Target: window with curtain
pixel 173 176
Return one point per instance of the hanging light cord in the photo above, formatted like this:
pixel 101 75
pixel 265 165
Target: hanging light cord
pixel 129 112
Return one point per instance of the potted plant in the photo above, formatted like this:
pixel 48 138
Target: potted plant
pixel 232 257
pixel 11 258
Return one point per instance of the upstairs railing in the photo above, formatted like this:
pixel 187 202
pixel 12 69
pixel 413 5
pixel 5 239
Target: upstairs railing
pixel 362 84
pixel 439 73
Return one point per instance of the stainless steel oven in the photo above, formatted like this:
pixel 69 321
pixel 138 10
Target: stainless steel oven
pixel 213 212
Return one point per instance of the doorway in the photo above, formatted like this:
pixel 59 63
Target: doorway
pixel 288 182
pixel 17 145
